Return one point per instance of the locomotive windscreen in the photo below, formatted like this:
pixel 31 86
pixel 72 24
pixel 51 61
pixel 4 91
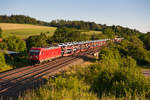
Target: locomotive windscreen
pixel 34 52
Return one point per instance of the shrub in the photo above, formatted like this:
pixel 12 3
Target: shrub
pixel 13 43
pixel 128 62
pixel 134 48
pixel 66 87
pixel 3 46
pixel 67 82
pixel 120 83
pixel 2 60
pixel 37 41
pixel 119 75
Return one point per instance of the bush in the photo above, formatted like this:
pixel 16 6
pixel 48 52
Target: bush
pixel 128 62
pixel 2 60
pixel 135 50
pixel 119 75
pixel 110 56
pixel 109 32
pixel 13 43
pixel 67 82
pixel 37 41
pixel 65 87
pixel 3 65
pixel 120 83
pixel 17 61
pixel 3 46
pixel 90 73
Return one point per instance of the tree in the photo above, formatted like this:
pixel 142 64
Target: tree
pixel 134 47
pixel 60 35
pixel 0 33
pixel 67 35
pixel 3 46
pixel 146 39
pixel 14 43
pixel 37 41
pixel 109 32
pixel 76 24
pixel 2 60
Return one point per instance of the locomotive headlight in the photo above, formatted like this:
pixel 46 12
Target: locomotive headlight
pixel 36 57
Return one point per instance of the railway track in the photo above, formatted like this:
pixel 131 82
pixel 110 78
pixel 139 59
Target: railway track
pixel 19 79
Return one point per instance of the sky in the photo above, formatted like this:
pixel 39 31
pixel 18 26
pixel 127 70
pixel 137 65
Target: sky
pixel 134 14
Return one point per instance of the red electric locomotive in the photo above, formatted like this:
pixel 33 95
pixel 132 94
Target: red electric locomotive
pixel 38 55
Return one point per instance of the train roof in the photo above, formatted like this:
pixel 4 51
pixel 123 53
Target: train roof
pixel 81 42
pixel 73 43
pixel 54 47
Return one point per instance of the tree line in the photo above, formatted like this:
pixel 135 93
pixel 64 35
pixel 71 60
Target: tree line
pixel 76 24
pixel 119 30
pixel 22 19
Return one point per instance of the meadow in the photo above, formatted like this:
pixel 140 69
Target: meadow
pixel 25 30
pixel 92 32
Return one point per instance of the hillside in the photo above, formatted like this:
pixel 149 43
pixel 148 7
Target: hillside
pixel 25 30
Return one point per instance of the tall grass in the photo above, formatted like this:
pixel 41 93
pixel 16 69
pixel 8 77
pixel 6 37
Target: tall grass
pixel 3 65
pixel 65 87
pixel 93 82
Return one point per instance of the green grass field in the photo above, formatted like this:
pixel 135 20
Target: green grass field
pixel 25 30
pixel 92 32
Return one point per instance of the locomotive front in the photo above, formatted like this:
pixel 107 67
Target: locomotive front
pixel 34 55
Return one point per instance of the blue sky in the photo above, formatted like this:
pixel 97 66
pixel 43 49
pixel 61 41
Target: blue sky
pixel 128 13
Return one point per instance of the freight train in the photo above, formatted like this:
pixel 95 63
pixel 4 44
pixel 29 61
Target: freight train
pixel 41 54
